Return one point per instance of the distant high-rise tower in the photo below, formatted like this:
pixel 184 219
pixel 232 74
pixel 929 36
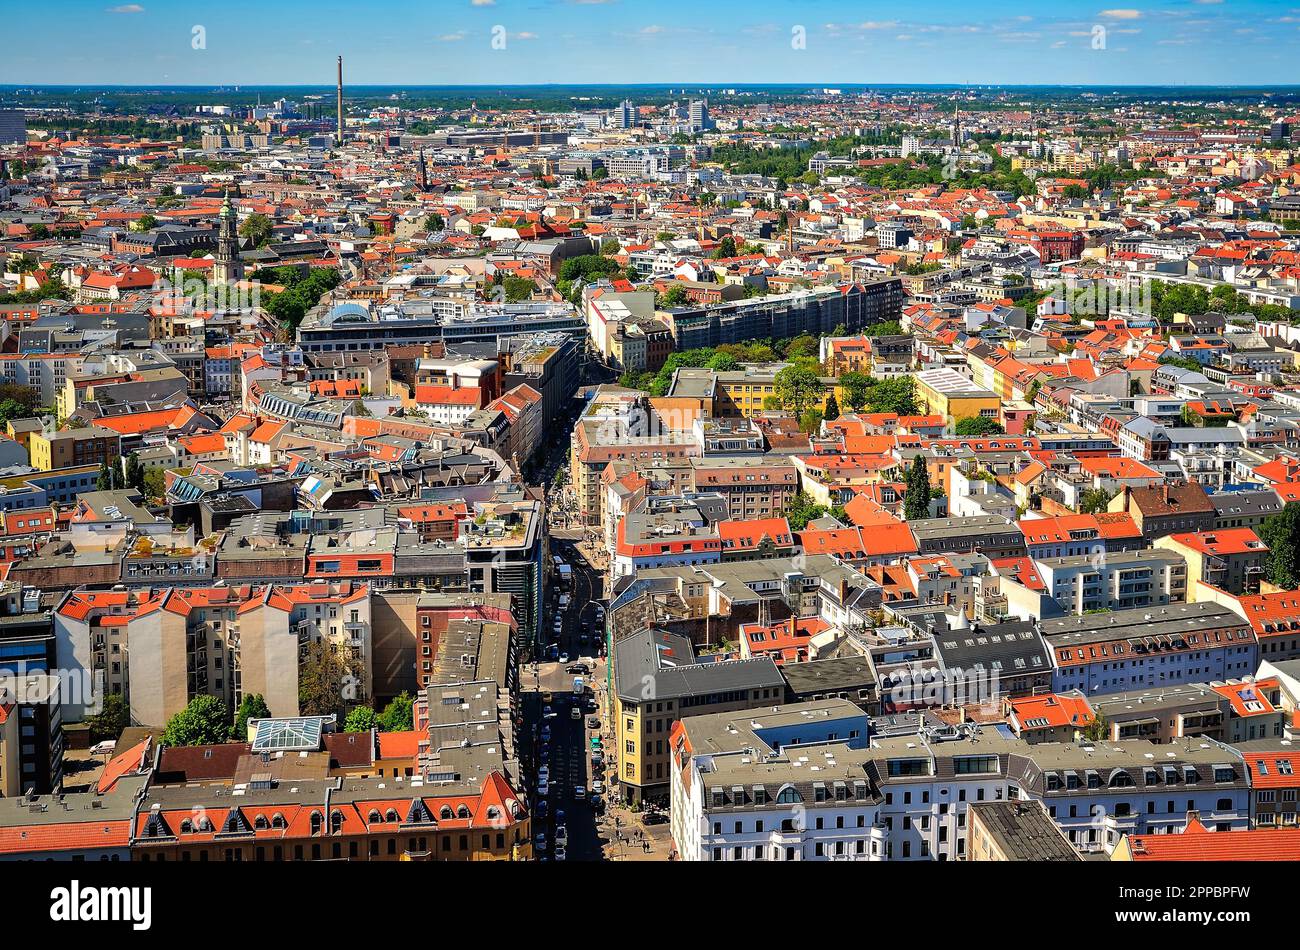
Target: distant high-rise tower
pixel 699 115
pixel 955 128
pixel 338 136
pixel 13 127
pixel 227 266
pixel 626 114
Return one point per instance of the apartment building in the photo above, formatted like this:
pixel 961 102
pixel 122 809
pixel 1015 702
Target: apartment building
pixel 31 734
pixel 755 487
pixel 1231 559
pixel 657 679
pixel 1274 784
pixel 740 795
pixel 1120 581
pixel 1149 647
pixel 1172 508
pixel 1016 831
pixel 163 647
pixel 619 425
pixel 67 448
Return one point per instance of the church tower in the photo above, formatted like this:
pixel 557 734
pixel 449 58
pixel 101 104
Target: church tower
pixel 227 267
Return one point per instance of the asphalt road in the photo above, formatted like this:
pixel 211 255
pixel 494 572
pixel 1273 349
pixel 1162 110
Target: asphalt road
pixel 556 741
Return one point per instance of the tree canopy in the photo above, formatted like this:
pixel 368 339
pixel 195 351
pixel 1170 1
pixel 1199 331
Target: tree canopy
pixel 205 721
pixel 916 501
pixel 1281 532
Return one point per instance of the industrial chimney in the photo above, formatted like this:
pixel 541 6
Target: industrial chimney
pixel 339 134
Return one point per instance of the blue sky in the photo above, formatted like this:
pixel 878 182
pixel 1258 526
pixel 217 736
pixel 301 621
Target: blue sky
pixel 659 41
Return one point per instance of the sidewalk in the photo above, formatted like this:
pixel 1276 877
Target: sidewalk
pixel 630 848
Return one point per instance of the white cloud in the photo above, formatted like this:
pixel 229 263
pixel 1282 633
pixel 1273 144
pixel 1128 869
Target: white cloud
pixel 651 30
pixel 127 8
pixel 482 3
pixel 524 36
pixel 452 37
pixel 1124 14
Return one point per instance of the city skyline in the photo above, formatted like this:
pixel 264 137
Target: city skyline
pixel 1173 42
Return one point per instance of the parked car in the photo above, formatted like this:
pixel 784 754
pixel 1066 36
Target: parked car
pixel 575 713
pixel 654 818
pixel 561 854
pixel 598 787
pixel 593 723
pixel 579 793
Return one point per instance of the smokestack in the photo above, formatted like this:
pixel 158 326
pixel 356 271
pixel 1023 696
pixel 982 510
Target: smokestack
pixel 339 134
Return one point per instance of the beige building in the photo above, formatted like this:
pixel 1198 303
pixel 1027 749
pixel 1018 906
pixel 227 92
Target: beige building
pixel 1015 831
pixel 657 681
pixel 163 648
pixel 1231 559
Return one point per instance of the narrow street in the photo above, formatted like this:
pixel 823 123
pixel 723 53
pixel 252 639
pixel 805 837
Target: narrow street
pixel 565 762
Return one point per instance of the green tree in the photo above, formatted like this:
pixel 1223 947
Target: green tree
pixel 12 409
pixel 434 223
pixel 801 510
pixel 832 409
pixel 327 680
pixel 134 477
pixel 257 228
pixel 798 389
pixel 897 395
pixel 154 483
pixel 726 248
pixel 675 296
pixel 399 714
pixel 977 426
pixel 109 479
pixel 803 346
pixel 518 288
pixel 205 721
pixel 1098 729
pixel 856 388
pixel 916 501
pixel 113 717
pixel 361 719
pixel 811 421
pixel 145 222
pixel 723 363
pixel 1281 532
pixel 1094 500
pixel 252 706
